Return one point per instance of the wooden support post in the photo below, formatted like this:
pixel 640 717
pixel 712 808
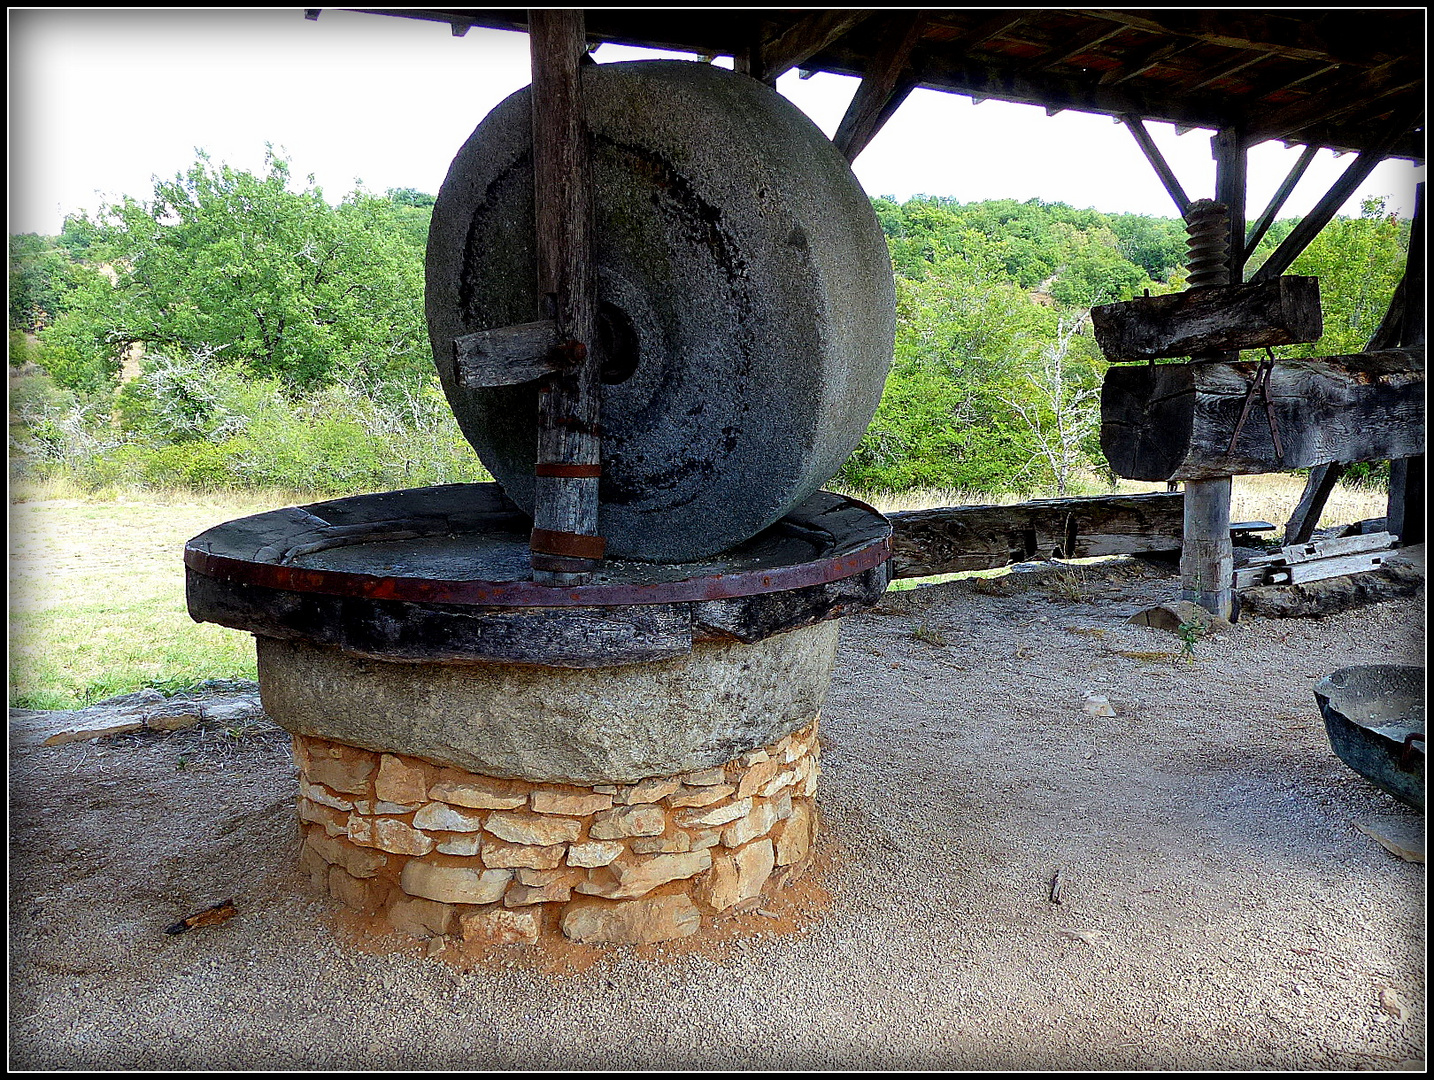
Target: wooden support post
pixel 1207 558
pixel 565 544
pixel 1321 482
pixel 1407 506
pixel 882 88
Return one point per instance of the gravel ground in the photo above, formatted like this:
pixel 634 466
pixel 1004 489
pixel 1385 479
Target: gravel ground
pixel 1220 909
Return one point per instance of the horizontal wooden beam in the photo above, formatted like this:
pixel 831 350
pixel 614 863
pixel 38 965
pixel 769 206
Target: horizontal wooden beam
pixel 517 354
pixel 1217 318
pixel 960 538
pixel 804 39
pixel 1177 421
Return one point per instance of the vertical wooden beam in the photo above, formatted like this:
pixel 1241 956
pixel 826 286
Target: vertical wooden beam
pixel 1407 503
pixel 565 542
pixel 1207 558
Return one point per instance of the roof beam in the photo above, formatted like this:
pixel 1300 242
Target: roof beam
pixel 877 97
pixel 1342 96
pixel 985 30
pixel 1158 162
pixel 1299 239
pixel 1153 54
pixel 1240 63
pixel 1089 39
pixel 805 39
pixel 1282 35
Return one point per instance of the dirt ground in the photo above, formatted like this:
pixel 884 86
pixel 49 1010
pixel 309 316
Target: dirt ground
pixel 1220 909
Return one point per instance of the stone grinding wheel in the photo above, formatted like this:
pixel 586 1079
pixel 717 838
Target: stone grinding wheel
pixel 747 309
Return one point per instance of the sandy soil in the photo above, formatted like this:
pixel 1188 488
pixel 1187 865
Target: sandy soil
pixel 1220 909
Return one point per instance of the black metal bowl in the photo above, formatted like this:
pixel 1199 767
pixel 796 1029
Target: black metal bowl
pixel 1374 715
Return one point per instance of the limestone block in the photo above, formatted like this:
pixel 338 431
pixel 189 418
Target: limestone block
pixel 335 822
pixel 783 803
pixel 719 815
pixel 755 824
pixel 478 792
pixel 706 838
pixel 594 853
pixel 519 895
pixel 575 804
pixel 648 845
pixel 753 757
pixel 625 879
pixel 632 922
pixel 349 773
pixel 369 807
pixel 650 791
pixel 461 844
pixel 453 883
pixel 499 926
pixel 719 890
pixel 641 820
pixel 500 855
pixel 703 777
pixel 754 866
pixel 388 834
pixel 756 777
pixel 783 779
pixel 700 796
pixel 419 917
pixel 312 864
pixel 534 829
pixel 401 780
pixel 322 795
pixel 359 862
pixel 361 894
pixel 445 818
pixel 795 838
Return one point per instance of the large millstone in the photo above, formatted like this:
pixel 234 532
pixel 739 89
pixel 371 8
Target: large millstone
pixel 746 296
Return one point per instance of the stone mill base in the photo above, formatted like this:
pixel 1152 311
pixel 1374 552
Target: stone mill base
pixel 445 853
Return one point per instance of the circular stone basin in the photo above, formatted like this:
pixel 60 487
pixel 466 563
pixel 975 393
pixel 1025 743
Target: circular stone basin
pixel 408 623
pixel 442 574
pixel 746 302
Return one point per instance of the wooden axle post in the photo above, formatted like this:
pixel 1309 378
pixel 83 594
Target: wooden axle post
pixel 565 544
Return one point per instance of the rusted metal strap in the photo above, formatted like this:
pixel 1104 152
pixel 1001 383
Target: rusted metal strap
pixel 567 471
pixel 1260 388
pixel 569 545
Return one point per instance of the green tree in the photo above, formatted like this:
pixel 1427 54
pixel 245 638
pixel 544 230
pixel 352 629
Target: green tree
pixel 276 280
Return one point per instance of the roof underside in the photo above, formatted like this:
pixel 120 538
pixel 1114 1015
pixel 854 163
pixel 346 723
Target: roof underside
pixel 1334 78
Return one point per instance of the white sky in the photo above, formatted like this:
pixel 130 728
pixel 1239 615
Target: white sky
pixel 101 101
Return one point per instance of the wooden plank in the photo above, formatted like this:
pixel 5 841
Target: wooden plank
pixel 960 538
pixel 1157 162
pixel 869 106
pixel 804 39
pixel 1175 421
pixel 1218 318
pixel 511 355
pixel 568 402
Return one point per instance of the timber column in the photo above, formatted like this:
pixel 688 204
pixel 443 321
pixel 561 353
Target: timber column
pixel 1207 556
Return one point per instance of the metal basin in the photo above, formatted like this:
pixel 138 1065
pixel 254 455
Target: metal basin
pixel 1374 715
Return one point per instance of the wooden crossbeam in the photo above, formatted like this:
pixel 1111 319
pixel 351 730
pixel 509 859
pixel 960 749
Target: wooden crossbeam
pixel 1239 64
pixel 1360 168
pixel 1157 162
pixel 806 38
pixel 1262 226
pixel 871 105
pixel 986 29
pixel 1271 34
pixel 1141 62
pixel 1178 421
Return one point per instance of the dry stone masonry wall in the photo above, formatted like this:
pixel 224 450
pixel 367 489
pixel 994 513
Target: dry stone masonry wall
pixel 445 853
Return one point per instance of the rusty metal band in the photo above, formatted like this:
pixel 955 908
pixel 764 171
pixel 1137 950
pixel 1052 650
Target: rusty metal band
pixel 570 545
pixel 527 594
pixel 567 471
